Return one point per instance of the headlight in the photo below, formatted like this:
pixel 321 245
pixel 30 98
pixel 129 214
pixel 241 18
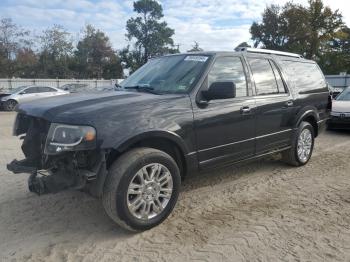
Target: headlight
pixel 69 138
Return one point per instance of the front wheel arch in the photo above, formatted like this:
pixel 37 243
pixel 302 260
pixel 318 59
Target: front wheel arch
pixel 167 142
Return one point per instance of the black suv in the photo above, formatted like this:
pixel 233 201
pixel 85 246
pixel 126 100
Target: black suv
pixel 176 115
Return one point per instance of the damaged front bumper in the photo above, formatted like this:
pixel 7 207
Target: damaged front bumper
pixel 52 173
pixel 66 177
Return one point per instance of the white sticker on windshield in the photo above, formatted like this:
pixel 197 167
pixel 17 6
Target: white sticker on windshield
pixel 196 58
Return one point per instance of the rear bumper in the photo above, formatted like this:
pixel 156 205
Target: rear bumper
pixel 337 122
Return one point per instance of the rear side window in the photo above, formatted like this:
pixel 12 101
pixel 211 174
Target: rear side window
pixel 264 76
pixel 305 76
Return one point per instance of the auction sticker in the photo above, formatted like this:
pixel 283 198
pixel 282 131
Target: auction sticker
pixel 196 58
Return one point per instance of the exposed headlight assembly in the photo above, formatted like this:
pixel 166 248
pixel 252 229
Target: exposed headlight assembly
pixel 69 138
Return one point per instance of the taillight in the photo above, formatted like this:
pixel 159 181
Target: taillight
pixel 329 105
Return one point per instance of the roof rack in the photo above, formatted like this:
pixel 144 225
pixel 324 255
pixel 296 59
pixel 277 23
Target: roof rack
pixel 267 51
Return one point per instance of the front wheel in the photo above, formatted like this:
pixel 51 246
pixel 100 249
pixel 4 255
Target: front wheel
pixel 141 188
pixel 10 105
pixel 302 146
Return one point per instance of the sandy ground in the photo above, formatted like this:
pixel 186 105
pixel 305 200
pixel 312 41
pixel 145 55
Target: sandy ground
pixel 261 211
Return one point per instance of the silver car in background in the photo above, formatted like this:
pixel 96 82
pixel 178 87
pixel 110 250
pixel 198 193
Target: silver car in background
pixel 28 93
pixel 340 114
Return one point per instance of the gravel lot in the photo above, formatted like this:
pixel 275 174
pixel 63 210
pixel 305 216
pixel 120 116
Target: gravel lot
pixel 261 211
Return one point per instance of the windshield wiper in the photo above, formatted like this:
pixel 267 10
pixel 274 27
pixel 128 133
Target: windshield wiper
pixel 143 88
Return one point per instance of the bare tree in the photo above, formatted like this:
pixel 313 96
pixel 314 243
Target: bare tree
pixel 195 47
pixel 12 37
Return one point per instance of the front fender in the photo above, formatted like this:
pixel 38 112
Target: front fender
pixel 128 141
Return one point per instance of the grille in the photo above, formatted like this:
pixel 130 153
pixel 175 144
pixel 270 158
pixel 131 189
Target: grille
pixel 35 130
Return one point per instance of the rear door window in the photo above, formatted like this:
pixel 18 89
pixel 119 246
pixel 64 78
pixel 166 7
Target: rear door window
pixel 264 77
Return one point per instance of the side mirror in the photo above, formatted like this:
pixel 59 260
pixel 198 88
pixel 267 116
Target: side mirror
pixel 22 93
pixel 220 90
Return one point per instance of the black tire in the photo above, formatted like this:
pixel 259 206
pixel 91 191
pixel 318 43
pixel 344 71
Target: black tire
pixel 291 156
pixel 119 177
pixel 10 105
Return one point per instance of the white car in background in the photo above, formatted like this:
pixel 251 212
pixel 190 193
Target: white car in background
pixel 340 114
pixel 28 93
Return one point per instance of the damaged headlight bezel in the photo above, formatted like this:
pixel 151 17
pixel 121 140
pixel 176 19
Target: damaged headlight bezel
pixel 65 138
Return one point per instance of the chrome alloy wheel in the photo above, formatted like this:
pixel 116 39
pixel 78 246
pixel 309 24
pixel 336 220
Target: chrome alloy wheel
pixel 304 145
pixel 149 191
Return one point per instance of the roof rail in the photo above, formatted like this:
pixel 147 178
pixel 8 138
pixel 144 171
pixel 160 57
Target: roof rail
pixel 266 51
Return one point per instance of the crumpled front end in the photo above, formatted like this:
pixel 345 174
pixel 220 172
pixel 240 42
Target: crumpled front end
pixel 53 165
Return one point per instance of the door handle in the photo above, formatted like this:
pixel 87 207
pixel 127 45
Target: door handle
pixel 289 103
pixel 245 110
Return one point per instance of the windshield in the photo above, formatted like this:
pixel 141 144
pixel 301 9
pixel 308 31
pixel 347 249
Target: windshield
pixel 169 74
pixel 345 95
pixel 17 89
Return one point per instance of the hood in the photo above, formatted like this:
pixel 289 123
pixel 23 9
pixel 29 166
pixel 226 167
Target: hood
pixel 84 108
pixel 340 106
pixel 4 95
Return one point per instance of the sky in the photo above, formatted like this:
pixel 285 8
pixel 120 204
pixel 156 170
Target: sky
pixel 214 24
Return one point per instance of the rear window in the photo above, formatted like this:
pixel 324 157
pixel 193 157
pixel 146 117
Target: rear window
pixel 305 76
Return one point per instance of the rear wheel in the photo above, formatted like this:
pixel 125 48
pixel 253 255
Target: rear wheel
pixel 10 105
pixel 141 189
pixel 302 146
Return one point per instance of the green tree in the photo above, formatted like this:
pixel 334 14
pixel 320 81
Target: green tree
pixel 57 49
pixel 132 58
pixel 195 47
pixel 269 33
pixel 152 37
pixel 306 30
pixel 336 55
pixel 95 57
pixel 243 44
